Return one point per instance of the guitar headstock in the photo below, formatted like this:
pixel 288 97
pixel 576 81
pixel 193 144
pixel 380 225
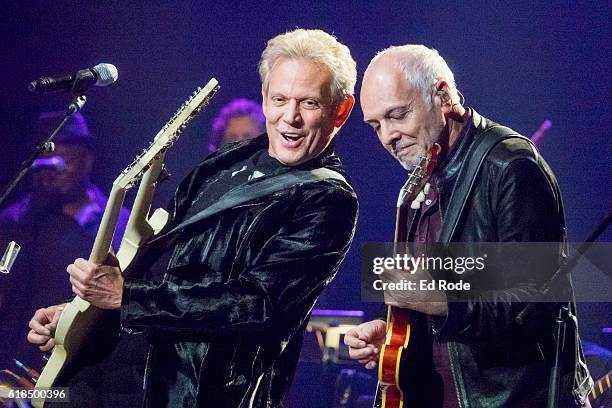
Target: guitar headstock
pixel 419 176
pixel 168 134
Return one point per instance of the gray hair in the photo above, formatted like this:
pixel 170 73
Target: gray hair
pixel 318 46
pixel 423 67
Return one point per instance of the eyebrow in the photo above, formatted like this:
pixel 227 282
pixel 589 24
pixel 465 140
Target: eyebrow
pixel 319 98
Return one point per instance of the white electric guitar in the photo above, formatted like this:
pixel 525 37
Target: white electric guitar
pixel 81 324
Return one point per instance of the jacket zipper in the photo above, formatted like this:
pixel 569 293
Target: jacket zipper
pixel 246 238
pixel 450 359
pixel 145 377
pixel 448 344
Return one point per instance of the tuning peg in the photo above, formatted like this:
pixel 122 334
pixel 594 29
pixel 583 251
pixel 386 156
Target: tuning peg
pixel 426 188
pixel 420 197
pixel 415 205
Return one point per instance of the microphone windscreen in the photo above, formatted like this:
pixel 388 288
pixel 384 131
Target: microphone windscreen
pixel 106 73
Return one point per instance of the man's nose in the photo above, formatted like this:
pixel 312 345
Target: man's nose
pixel 388 134
pixel 291 113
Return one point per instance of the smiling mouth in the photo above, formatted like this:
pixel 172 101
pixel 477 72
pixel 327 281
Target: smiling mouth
pixel 291 139
pixel 400 149
pixel 291 136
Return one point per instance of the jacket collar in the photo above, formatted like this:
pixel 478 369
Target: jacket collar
pixel 235 152
pixel 450 167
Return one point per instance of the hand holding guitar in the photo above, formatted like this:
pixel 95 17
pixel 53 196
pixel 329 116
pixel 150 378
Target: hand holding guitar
pixel 43 325
pixel 100 285
pixel 365 340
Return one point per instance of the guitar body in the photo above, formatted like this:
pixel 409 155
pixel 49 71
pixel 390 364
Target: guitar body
pixel 86 334
pixel 398 338
pixel 406 362
pixel 81 322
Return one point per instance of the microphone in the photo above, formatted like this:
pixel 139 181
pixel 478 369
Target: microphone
pixel 54 162
pixel 101 75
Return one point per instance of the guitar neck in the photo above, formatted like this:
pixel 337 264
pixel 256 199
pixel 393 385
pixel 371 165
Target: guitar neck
pixel 106 231
pixel 141 226
pixel 137 227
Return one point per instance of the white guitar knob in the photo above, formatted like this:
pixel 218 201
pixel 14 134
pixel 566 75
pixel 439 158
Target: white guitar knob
pixel 426 188
pixel 420 197
pixel 415 205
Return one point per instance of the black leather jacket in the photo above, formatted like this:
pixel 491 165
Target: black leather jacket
pixel 226 323
pixel 494 361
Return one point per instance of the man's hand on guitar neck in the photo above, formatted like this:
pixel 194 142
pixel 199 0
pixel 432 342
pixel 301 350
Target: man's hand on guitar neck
pixel 365 340
pixel 43 325
pixel 100 285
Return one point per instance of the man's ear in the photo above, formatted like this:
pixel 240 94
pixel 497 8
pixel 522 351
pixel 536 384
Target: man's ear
pixel 344 110
pixel 442 96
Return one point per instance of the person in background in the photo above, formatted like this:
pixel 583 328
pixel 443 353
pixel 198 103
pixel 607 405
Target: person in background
pixel 56 220
pixel 239 120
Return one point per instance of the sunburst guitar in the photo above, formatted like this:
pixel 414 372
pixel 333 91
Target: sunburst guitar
pixel 401 323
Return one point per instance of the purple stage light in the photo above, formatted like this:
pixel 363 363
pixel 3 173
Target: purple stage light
pixel 333 312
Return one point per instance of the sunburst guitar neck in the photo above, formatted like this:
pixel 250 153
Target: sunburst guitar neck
pixel 401 323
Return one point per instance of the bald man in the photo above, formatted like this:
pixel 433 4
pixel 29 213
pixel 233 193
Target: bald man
pixel 479 355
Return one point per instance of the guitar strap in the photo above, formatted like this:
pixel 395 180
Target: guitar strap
pixel 468 174
pixel 260 187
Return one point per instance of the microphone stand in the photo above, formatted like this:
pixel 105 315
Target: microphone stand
pixel 78 101
pixel 561 319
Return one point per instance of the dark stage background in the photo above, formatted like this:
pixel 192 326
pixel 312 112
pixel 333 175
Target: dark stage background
pixel 518 63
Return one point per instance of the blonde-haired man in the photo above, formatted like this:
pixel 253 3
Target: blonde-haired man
pixel 308 79
pixel 258 229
